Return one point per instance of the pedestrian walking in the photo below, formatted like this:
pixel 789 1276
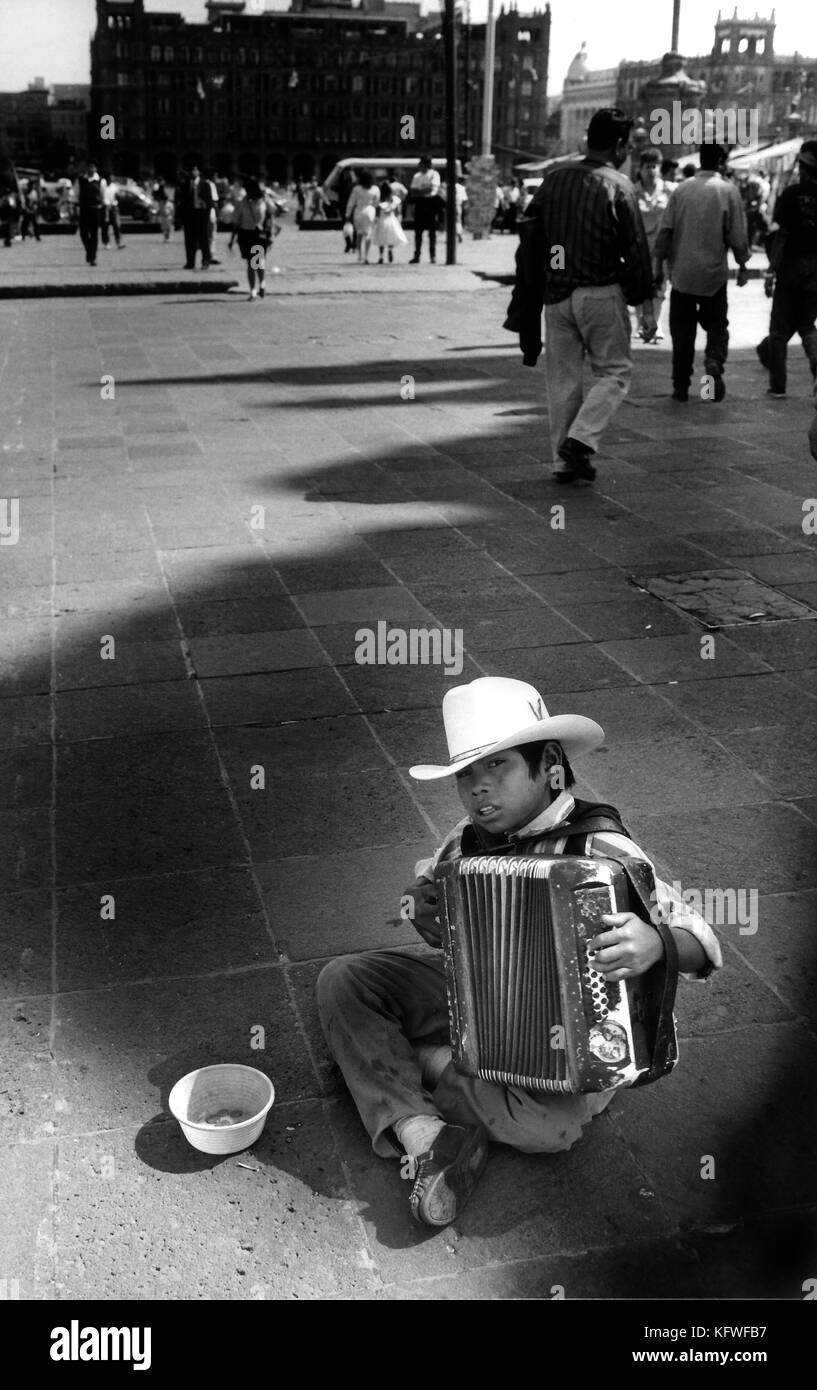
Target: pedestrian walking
pixel 30 211
pixel 10 200
pixel 703 219
pixel 110 214
pixel 164 204
pixel 91 196
pixel 425 195
pixel 653 196
pixel 361 211
pixel 583 252
pixel 194 200
pixel 212 224
pixel 460 203
pixel 792 277
pixel 398 189
pixel 253 230
pixel 387 230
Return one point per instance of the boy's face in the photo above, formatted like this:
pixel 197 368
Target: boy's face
pixel 500 793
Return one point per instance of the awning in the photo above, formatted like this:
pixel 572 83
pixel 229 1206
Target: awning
pixel 538 166
pixel 781 156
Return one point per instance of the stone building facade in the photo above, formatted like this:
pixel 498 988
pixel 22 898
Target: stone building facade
pixel 287 94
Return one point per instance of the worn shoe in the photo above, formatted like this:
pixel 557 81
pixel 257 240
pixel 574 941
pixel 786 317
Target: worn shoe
pixel 714 370
pixel 777 395
pixel 680 395
pixel 577 457
pixel 448 1173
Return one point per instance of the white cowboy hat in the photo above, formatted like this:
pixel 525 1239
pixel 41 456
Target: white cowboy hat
pixel 495 712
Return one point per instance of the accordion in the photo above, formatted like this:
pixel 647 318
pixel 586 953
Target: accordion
pixel 526 1005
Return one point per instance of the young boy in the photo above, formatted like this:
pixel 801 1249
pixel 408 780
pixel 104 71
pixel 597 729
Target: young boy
pixel 385 1014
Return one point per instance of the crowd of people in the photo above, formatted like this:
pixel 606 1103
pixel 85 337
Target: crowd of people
pixel 373 214
pixel 621 243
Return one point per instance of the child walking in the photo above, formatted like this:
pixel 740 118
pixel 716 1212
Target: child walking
pixel 253 228
pixel 387 230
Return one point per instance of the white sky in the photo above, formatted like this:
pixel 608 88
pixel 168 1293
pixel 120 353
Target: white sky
pixel 49 38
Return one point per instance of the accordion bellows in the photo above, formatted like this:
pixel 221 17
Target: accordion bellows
pixel 527 1007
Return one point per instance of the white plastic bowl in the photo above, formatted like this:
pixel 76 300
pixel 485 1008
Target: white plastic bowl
pixel 222 1109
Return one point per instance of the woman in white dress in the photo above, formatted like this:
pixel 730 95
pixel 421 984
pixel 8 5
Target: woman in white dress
pixel 387 230
pixel 361 211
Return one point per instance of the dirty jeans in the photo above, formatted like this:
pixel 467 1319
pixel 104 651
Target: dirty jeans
pixel 593 322
pixel 373 1006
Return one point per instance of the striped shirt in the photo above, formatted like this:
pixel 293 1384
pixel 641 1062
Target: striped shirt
pixel 593 230
pixel 544 835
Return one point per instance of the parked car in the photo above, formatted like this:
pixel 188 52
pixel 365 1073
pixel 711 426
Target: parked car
pixel 134 202
pixel 58 201
pixel 339 184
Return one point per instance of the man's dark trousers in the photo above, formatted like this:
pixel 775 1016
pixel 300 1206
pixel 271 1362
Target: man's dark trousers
pixel 686 311
pixel 89 219
pixel 425 220
pixel 794 310
pixel 196 236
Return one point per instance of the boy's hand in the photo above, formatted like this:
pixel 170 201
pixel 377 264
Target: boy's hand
pixel 419 905
pixel 629 948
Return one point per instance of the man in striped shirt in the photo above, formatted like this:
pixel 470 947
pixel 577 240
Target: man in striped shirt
pixel 589 232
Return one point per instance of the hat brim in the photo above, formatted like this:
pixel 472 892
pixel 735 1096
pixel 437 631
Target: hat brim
pixel 576 734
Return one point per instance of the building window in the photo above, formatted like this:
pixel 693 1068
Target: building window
pixel 527 88
pixel 155 53
pixel 357 84
pixel 121 79
pixel 168 54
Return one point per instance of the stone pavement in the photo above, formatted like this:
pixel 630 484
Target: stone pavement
pixel 160 906
pixel 301 263
pixel 311 262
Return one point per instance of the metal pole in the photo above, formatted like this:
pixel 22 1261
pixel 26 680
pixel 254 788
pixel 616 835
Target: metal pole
pixel 488 81
pixel 466 134
pixel 450 38
pixel 676 23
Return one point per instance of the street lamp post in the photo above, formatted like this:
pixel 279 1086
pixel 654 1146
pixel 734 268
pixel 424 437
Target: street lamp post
pixel 676 24
pixel 488 87
pixel 450 36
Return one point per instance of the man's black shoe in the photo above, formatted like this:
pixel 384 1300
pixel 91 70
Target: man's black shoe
pixel 680 395
pixel 415 260
pixel 715 370
pixel 577 457
pixel 448 1173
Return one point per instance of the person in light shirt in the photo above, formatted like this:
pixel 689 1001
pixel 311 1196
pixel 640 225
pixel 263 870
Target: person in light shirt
pixel 425 195
pixel 653 195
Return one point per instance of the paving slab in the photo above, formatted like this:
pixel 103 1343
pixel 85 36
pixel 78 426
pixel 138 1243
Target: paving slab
pixel 278 1227
pixel 209 920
